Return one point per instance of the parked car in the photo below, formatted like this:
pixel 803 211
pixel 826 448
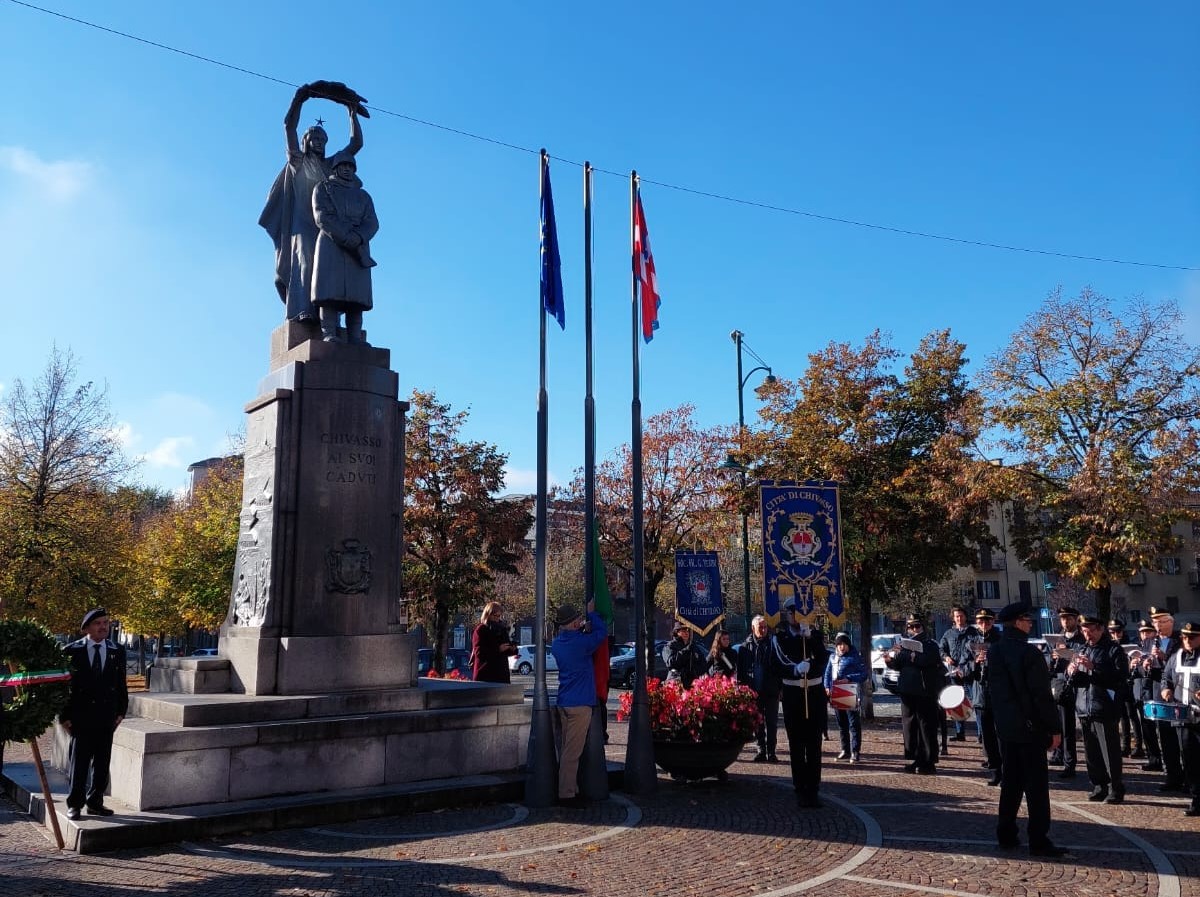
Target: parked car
pixel 523 661
pixel 879 644
pixel 621 666
pixel 457 659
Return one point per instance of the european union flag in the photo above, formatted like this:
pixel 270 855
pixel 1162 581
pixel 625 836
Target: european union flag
pixel 552 288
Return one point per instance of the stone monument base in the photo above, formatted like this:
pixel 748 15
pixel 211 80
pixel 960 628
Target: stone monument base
pixel 185 749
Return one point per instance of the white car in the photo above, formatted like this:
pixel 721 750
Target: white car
pixel 523 661
pixel 879 644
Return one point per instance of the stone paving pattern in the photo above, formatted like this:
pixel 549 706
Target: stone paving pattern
pixel 882 833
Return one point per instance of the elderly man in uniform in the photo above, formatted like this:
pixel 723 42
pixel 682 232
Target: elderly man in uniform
pixel 1068 619
pixel 1160 648
pixel 1181 682
pixel 1099 675
pixel 976 673
pixel 96 706
pixel 799 656
pixel 756 670
pixel 1028 723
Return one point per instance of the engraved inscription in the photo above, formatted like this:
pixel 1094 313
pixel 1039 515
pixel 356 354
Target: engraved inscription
pixel 351 457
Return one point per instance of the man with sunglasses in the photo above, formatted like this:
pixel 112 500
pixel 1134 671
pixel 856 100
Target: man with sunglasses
pixel 920 681
pixel 1028 724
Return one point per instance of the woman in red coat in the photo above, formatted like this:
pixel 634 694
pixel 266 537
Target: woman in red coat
pixel 490 646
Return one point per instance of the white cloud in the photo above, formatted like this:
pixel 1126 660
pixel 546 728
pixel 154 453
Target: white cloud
pixel 168 452
pixel 524 482
pixel 61 180
pixel 123 433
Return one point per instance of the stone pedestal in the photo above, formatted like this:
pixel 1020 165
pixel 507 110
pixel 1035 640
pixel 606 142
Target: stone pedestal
pixel 315 602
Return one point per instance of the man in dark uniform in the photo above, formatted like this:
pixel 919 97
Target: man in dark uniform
pixel 96 706
pixel 1099 676
pixel 1028 723
pixel 1068 619
pixel 799 656
pixel 920 681
pixel 976 672
pixel 1131 728
pixel 1181 682
pixel 1146 689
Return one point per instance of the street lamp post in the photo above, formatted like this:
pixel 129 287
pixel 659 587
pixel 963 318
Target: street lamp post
pixel 734 464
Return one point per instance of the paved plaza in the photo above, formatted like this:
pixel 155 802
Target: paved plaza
pixel 881 832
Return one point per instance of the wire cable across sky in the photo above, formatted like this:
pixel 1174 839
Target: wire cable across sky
pixel 693 191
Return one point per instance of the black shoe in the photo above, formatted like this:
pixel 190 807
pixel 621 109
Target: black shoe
pixel 1155 765
pixel 578 802
pixel 1193 810
pixel 99 810
pixel 994 780
pixel 960 736
pixel 1171 785
pixel 1067 772
pixel 73 812
pixel 760 757
pixel 945 751
pixel 986 765
pixel 1138 754
pixel 771 758
pixel 1098 794
pixel 930 770
pixel 1117 797
pixel 1047 850
pixel 1008 845
pixel 910 767
pixel 808 801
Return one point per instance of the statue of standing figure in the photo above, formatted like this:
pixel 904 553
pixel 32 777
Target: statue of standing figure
pixel 341 282
pixel 288 215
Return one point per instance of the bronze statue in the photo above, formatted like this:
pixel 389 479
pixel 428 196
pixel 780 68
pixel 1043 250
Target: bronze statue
pixel 341 279
pixel 288 214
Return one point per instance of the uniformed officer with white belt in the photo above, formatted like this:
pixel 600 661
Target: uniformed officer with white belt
pixel 799 656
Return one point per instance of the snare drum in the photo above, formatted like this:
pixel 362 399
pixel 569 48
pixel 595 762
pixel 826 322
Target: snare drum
pixel 1172 713
pixel 953 699
pixel 844 696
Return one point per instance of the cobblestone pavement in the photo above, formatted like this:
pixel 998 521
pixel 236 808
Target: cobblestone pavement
pixel 881 832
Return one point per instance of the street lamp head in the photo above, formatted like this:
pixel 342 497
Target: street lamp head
pixel 732 463
pixel 736 335
pixel 771 378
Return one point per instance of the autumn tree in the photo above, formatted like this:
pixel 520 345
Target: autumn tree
pixel 682 500
pixel 65 525
pixel 1098 417
pixel 457 535
pixel 564 566
pixel 900 446
pixel 186 557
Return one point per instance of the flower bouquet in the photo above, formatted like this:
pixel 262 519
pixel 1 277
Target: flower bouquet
pixel 715 710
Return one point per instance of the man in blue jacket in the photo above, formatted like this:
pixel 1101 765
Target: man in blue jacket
pixel 577 640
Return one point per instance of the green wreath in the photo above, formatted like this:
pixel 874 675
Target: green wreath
pixel 31 709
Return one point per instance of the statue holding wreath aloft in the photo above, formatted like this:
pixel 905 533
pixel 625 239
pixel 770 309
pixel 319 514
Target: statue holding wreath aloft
pixel 288 214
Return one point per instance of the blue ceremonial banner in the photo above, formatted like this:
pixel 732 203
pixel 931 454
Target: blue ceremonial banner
pixel 802 549
pixel 698 603
pixel 552 289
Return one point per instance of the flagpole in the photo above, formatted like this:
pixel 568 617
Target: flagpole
pixel 640 774
pixel 593 782
pixel 541 765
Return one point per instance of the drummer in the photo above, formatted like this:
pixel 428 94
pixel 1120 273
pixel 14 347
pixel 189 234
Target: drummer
pixel 846 668
pixel 1181 674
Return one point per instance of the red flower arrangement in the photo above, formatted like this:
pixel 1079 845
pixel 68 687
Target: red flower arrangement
pixel 453 674
pixel 714 710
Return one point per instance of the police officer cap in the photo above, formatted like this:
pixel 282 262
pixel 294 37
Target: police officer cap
pixel 1116 624
pixel 984 614
pixel 1090 620
pixel 1068 612
pixel 94 614
pixel 1190 628
pixel 1145 626
pixel 566 614
pixel 1014 611
pixel 914 620
pixel 1157 613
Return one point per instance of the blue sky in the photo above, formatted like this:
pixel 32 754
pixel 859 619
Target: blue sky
pixel 131 180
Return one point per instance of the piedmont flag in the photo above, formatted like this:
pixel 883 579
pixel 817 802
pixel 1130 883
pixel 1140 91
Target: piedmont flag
pixel 552 288
pixel 643 267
